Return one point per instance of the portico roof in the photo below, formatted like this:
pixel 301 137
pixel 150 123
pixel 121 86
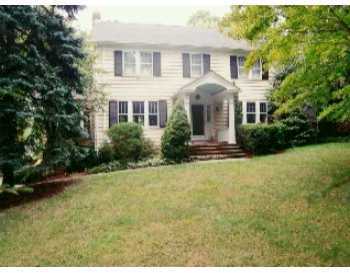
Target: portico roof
pixel 210 79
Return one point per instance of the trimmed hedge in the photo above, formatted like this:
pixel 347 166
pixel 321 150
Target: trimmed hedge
pixel 262 138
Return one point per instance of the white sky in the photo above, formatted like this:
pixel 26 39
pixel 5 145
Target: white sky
pixel 166 15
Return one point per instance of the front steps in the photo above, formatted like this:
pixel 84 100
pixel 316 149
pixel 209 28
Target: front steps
pixel 207 151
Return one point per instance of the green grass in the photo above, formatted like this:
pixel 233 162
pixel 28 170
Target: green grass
pixel 287 209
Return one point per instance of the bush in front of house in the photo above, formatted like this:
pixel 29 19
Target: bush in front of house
pixel 176 137
pixel 262 138
pixel 298 129
pixel 127 143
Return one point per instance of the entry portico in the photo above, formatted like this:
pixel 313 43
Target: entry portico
pixel 209 102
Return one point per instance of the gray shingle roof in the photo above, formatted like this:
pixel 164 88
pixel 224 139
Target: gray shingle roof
pixel 114 32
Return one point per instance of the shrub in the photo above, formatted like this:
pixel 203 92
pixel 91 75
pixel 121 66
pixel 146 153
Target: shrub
pixel 105 153
pixel 176 137
pixel 81 158
pixel 298 129
pixel 262 138
pixel 31 174
pixel 107 167
pixel 148 149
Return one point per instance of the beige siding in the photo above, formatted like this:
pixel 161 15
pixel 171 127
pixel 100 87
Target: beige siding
pixel 164 87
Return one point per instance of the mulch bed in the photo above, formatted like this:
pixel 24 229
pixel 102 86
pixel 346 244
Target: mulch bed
pixel 41 190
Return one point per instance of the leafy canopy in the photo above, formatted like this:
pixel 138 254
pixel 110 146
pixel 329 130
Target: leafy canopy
pixel 308 45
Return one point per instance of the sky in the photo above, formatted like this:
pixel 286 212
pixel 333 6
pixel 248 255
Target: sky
pixel 166 15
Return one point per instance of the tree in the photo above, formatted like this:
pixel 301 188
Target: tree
pixel 177 135
pixel 203 18
pixel 39 77
pixel 310 45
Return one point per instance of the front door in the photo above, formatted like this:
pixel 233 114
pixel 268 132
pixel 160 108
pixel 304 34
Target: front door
pixel 197 120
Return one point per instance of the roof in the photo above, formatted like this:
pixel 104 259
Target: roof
pixel 163 35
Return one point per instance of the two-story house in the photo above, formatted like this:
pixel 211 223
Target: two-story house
pixel 147 67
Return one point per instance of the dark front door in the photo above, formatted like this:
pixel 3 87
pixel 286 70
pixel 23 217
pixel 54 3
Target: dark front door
pixel 198 120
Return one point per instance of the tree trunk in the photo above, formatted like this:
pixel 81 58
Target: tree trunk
pixel 8 174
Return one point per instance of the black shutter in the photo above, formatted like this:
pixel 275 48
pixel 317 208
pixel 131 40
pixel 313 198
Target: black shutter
pixel 233 67
pixel 113 112
pixel 265 71
pixel 206 63
pixel 118 63
pixel 163 113
pixel 156 64
pixel 186 69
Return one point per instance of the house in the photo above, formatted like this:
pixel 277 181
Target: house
pixel 145 68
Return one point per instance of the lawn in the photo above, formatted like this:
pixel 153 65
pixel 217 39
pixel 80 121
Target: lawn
pixel 291 208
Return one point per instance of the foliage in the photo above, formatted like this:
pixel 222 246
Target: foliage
pixel 31 174
pixel 262 138
pixel 105 153
pixel 17 189
pixel 82 158
pixel 40 77
pixel 128 142
pixel 107 167
pixel 203 18
pixel 309 45
pixel 176 136
pixel 298 129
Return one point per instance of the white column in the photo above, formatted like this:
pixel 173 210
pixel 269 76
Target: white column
pixel 187 106
pixel 257 112
pixel 130 119
pixel 231 120
pixel 244 112
pixel 146 123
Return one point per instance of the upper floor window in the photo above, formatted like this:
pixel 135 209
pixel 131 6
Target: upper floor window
pixel 196 65
pixel 138 63
pixel 242 73
pixel 256 70
pixel 130 64
pixel 138 108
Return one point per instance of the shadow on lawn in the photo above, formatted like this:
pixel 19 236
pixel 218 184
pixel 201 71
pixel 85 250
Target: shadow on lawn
pixel 40 191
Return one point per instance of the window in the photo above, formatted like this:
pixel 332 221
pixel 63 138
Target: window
pixel 250 112
pixel 241 70
pixel 153 113
pixel 263 112
pixel 208 113
pixel 256 70
pixel 130 63
pixel 196 65
pixel 123 111
pixel 138 110
pixel 146 63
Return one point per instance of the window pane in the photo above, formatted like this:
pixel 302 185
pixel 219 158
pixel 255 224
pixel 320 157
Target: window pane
pixel 263 118
pixel 250 118
pixel 139 119
pixel 196 70
pixel 263 107
pixel 123 107
pixel 256 70
pixel 146 57
pixel 146 69
pixel 241 70
pixel 153 107
pixel 123 118
pixel 153 120
pixel 241 60
pixel 138 107
pixel 129 57
pixel 130 69
pixel 197 59
pixel 251 107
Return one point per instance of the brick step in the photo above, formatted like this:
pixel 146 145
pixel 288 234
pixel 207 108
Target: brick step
pixel 215 152
pixel 211 157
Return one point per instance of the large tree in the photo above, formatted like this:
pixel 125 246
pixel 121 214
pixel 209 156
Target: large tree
pixel 308 45
pixel 39 78
pixel 203 18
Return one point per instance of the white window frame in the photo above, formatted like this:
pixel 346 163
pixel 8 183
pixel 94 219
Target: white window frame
pixel 124 113
pixel 248 74
pixel 138 63
pixel 138 114
pixel 264 113
pixel 202 65
pixel 250 112
pixel 153 114
pixel 256 77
